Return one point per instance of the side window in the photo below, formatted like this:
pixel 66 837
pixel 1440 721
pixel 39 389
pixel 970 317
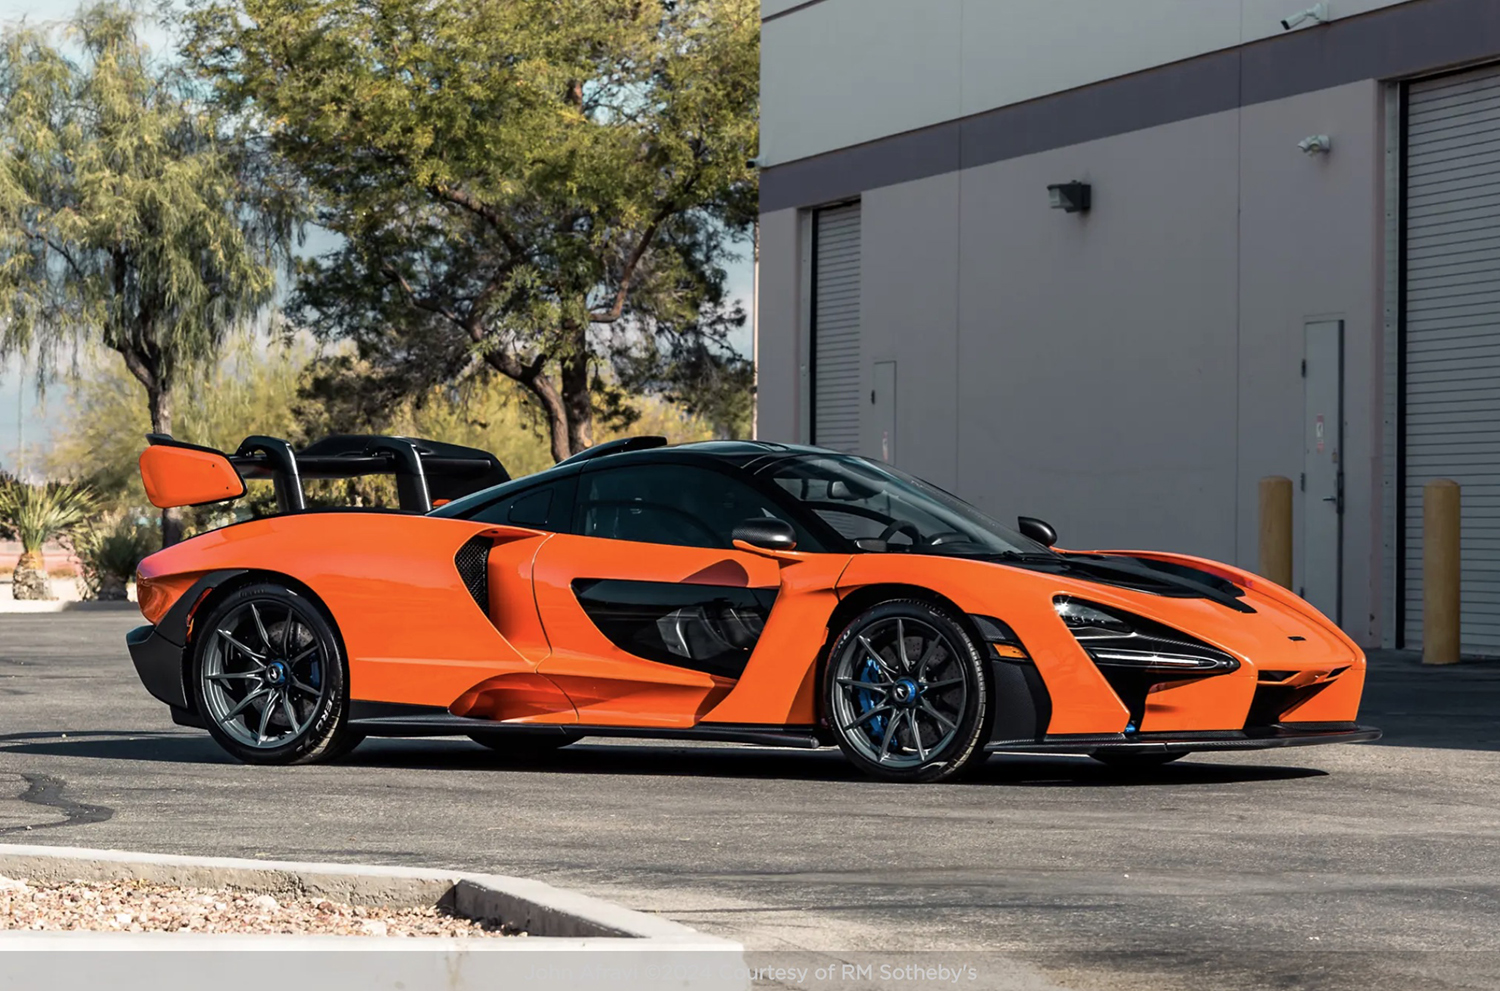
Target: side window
pixel 534 508
pixel 671 504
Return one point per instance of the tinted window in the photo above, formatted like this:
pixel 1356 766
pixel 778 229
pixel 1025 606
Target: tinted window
pixel 533 508
pixel 671 504
pixel 884 509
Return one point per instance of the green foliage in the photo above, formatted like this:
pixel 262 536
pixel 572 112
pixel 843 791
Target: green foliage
pixel 111 549
pixel 549 188
pixel 36 514
pixel 252 389
pixel 129 215
pixel 258 387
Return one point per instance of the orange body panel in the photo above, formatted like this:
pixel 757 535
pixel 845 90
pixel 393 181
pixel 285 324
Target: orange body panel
pixel 413 633
pixel 608 686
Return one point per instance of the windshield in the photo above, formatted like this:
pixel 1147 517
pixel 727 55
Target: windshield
pixel 880 508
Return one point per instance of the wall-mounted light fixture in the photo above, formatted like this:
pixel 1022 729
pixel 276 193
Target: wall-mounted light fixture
pixel 1317 13
pixel 1316 144
pixel 1074 197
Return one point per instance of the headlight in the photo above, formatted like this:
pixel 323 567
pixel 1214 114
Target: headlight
pixel 1119 640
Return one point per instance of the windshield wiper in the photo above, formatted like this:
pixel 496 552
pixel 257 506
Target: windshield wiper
pixel 1120 566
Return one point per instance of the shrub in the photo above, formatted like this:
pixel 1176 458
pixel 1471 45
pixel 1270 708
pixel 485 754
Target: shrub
pixel 110 553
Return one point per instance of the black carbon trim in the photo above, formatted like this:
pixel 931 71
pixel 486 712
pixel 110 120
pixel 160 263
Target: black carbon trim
pixel 473 561
pixel 1262 738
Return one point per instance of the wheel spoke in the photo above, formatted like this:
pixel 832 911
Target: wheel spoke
pixel 943 684
pixel 944 720
pixel 901 645
pixel 875 656
pixel 260 627
pixel 286 631
pixel 232 675
pixel 874 686
pixel 916 736
pixel 244 703
pixel 304 688
pixel 265 718
pixel 867 716
pixel 304 655
pixel 289 712
pixel 927 659
pixel 241 647
pixel 890 733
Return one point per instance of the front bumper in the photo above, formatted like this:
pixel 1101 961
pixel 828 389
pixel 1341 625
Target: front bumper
pixel 1257 738
pixel 158 662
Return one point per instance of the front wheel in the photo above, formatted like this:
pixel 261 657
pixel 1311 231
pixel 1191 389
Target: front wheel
pixel 269 678
pixel 908 694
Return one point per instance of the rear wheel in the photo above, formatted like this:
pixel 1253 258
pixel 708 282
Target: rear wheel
pixel 270 680
pixel 908 694
pixel 1137 761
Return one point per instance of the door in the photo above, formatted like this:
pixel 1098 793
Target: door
pixel 835 327
pixel 651 612
pixel 1450 413
pixel 1322 466
pixel 883 403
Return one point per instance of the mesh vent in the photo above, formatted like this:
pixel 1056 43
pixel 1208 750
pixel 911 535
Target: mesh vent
pixel 472 561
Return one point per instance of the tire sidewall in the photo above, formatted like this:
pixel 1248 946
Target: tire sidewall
pixel 966 750
pixel 322 736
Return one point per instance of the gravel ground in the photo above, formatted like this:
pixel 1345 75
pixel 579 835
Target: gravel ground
pixel 140 906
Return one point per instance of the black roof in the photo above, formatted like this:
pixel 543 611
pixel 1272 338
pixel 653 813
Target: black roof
pixel 740 453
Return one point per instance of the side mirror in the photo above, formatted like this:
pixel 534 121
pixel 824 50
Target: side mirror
pixel 765 534
pixel 1039 530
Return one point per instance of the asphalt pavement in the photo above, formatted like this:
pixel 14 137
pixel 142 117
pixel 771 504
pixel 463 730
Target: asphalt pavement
pixel 1349 867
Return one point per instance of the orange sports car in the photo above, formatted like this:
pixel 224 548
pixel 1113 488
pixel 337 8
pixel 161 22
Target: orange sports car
pixel 745 591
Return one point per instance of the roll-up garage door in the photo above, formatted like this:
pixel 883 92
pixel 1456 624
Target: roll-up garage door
pixel 835 328
pixel 1452 412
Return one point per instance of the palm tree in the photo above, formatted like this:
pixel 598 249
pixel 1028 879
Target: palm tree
pixel 37 514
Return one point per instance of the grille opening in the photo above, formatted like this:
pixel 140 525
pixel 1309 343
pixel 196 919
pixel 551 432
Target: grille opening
pixel 472 561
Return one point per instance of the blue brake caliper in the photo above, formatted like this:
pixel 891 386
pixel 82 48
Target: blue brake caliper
pixel 866 699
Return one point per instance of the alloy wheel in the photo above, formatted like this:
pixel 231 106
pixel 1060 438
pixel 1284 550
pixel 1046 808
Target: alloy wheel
pixel 263 675
pixel 902 688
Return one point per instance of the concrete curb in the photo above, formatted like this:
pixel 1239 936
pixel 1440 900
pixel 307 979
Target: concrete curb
pixel 578 941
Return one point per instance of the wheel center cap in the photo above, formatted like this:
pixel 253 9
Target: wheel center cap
pixel 276 673
pixel 905 691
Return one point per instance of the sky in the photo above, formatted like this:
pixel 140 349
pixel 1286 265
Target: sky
pixel 25 416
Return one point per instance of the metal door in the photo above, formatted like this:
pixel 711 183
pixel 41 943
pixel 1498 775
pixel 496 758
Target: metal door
pixel 883 411
pixel 1322 466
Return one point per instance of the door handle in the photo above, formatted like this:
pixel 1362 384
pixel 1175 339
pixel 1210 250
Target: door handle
pixel 1330 498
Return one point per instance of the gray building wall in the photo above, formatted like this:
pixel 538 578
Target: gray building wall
pixel 1132 372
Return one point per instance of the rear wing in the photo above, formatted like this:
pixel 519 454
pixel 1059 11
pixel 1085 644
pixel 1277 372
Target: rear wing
pixel 427 471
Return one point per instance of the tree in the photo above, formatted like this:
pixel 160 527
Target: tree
pixel 127 217
pixel 546 186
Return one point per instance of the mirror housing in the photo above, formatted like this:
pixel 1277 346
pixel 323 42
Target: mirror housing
pixel 765 534
pixel 1039 530
pixel 182 475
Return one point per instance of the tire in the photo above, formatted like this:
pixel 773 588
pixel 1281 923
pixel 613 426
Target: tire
pixel 1127 760
pixel 270 679
pixel 522 746
pixel 927 710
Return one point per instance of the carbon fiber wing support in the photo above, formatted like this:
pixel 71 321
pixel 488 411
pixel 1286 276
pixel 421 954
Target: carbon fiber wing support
pixel 425 470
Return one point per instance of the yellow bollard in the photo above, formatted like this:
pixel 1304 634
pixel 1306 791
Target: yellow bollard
pixel 1440 572
pixel 1276 529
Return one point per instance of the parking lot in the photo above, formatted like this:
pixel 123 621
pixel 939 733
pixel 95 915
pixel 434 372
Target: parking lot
pixel 1366 867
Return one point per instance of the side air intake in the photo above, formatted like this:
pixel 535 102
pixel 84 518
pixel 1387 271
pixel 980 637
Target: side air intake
pixel 472 561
